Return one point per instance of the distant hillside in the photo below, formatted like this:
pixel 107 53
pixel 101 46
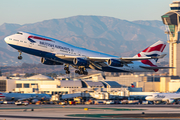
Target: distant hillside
pixel 104 34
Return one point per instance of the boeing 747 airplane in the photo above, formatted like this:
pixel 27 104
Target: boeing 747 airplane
pixel 56 52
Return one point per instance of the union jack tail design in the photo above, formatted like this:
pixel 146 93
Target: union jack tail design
pixel 1 96
pixel 154 50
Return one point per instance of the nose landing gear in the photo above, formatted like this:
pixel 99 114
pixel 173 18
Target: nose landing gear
pixel 20 57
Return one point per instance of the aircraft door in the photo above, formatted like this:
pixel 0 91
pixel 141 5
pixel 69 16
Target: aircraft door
pixel 72 51
pixel 31 44
pixel 16 41
pixel 79 53
pixel 52 49
pixel 132 68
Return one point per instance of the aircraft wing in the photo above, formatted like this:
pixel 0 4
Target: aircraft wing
pixel 147 67
pixel 59 55
pixel 104 59
pixel 28 98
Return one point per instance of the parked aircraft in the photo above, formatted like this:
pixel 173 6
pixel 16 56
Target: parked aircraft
pixel 167 97
pixel 56 52
pixel 23 97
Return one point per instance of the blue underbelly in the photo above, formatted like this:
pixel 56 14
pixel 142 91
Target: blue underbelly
pixel 52 56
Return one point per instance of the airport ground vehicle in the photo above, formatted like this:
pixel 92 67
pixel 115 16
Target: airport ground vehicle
pixel 22 103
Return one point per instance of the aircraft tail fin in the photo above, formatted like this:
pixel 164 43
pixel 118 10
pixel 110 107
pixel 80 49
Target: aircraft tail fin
pixel 154 50
pixel 178 90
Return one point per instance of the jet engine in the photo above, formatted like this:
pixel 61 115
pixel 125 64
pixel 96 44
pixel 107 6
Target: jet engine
pixel 169 101
pixel 80 62
pixel 49 62
pixel 34 100
pixel 115 63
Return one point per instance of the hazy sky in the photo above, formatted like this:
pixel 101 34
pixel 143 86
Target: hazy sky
pixel 31 11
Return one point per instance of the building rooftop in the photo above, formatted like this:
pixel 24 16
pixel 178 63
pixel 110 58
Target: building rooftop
pixel 94 84
pixel 113 84
pixel 71 83
pixel 40 77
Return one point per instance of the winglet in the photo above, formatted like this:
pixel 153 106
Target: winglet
pixel 161 56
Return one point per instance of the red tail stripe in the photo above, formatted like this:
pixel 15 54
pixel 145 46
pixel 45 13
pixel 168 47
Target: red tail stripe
pixel 155 48
pixel 147 62
pixel 139 55
pixel 163 47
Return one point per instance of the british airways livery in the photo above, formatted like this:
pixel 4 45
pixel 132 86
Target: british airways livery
pixel 56 52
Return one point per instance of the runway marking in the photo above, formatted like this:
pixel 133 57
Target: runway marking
pixel 115 109
pixel 126 116
pixel 60 107
pixel 92 115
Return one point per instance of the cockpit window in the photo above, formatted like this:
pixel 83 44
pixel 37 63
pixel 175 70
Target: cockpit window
pixel 19 33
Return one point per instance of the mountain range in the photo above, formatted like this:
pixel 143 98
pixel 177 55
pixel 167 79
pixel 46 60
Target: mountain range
pixel 100 33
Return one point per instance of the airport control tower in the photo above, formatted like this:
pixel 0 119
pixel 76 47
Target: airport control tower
pixel 172 20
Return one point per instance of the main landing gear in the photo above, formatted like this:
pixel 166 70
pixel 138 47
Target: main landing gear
pixel 66 68
pixel 81 71
pixel 20 57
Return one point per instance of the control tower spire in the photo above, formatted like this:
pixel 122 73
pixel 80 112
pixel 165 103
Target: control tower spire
pixel 172 20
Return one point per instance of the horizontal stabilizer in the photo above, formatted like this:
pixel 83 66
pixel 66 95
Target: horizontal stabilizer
pixel 161 56
pixel 129 59
pixel 146 67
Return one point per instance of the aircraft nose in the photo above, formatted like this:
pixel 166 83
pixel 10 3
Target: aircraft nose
pixel 146 98
pixel 6 39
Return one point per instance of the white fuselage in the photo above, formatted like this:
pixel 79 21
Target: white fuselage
pixel 49 47
pixel 21 97
pixel 163 96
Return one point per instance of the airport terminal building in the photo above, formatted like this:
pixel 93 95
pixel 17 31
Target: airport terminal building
pixel 119 85
pixel 44 84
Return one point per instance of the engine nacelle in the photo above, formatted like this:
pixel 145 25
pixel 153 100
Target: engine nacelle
pixel 170 101
pixel 115 63
pixel 80 62
pixel 49 62
pixel 34 100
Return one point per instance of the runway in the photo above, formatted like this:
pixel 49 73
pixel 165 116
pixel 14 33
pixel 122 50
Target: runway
pixel 37 112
